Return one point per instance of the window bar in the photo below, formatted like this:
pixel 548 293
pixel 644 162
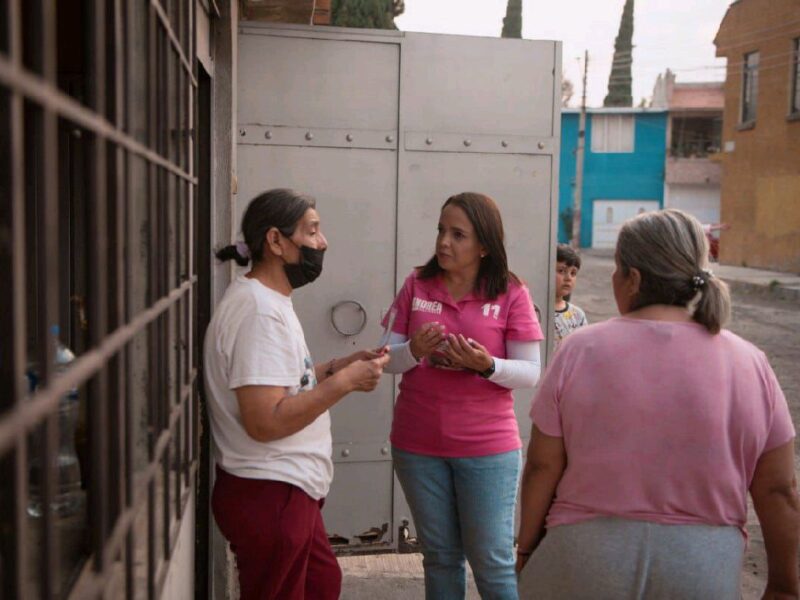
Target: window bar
pixel 180 217
pixel 162 16
pixel 14 578
pixel 117 192
pixel 152 293
pixel 97 406
pixel 188 154
pixel 45 144
pixel 180 31
pixel 162 244
pixel 192 141
pixel 34 89
pixel 130 540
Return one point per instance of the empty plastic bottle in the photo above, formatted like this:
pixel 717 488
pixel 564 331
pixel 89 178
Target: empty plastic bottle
pixel 69 497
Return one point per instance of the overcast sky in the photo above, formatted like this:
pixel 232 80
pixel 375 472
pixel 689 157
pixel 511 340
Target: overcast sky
pixel 675 34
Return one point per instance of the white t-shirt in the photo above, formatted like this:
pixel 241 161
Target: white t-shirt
pixel 255 338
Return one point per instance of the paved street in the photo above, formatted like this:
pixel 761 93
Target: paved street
pixel 770 323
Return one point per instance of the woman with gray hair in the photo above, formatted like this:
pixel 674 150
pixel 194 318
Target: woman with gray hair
pixel 649 431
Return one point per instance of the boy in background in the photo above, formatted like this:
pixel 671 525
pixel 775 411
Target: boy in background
pixel 568 317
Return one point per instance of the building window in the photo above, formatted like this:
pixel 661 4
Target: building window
pixel 749 87
pixel 695 136
pixel 99 409
pixel 794 107
pixel 612 133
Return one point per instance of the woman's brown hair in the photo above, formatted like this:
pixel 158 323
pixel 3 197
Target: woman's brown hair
pixel 483 213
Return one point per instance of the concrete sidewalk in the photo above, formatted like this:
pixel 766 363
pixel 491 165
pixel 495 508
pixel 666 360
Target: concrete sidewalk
pixel 783 286
pixel 389 577
pixel 772 284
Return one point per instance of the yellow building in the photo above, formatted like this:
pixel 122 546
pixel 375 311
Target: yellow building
pixel 760 155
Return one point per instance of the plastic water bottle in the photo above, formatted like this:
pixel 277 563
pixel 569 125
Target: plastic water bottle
pixel 69 497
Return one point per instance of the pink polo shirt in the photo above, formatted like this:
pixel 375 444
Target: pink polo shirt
pixel 661 422
pixel 443 412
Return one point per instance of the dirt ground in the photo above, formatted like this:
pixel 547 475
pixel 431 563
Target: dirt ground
pixel 772 325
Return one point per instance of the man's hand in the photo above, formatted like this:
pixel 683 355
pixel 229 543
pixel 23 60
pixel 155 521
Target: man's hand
pixel 367 354
pixel 364 375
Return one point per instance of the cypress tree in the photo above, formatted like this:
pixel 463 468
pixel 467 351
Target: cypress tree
pixel 512 23
pixel 370 14
pixel 620 80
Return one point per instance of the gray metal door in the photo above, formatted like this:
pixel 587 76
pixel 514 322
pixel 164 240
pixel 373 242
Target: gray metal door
pixel 332 112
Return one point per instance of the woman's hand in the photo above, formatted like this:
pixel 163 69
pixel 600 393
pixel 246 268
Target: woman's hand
pixel 467 353
pixel 425 339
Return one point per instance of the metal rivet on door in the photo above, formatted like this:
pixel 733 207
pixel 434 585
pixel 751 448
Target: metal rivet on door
pixel 540 145
pixel 504 144
pixel 429 141
pixel 242 132
pixel 345 452
pixel 268 135
pixel 349 137
pixel 390 138
pixel 468 142
pixel 309 136
pixel 384 451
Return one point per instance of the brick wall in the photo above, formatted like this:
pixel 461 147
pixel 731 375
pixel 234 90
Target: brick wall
pixel 761 164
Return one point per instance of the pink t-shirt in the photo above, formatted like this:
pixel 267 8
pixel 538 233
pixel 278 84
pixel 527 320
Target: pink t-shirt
pixel 443 412
pixel 661 422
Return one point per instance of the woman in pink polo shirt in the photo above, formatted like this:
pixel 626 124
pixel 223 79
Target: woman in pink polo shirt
pixel 465 335
pixel 649 430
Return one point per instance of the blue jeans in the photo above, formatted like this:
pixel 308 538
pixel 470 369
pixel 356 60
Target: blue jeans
pixel 463 507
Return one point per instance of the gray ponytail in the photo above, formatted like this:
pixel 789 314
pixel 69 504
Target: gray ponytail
pixel 670 250
pixel 713 305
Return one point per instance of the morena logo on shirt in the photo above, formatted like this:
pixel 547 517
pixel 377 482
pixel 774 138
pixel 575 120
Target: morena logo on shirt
pixel 428 306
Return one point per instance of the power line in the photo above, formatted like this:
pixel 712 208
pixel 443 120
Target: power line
pixel 624 60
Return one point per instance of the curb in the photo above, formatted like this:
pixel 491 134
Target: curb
pixel 771 291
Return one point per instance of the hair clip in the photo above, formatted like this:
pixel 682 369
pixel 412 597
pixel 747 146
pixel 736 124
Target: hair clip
pixel 242 249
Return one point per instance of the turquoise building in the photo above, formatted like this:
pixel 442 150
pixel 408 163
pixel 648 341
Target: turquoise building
pixel 623 170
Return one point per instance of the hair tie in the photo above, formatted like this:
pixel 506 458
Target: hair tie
pixel 702 278
pixel 242 249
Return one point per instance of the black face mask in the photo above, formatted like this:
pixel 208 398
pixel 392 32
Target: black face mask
pixel 307 270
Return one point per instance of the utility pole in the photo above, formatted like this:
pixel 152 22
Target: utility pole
pixel 578 197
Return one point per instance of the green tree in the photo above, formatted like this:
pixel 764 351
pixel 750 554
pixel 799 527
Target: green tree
pixel 369 14
pixel 620 80
pixel 512 23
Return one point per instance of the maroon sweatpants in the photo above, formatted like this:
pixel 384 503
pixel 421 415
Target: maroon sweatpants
pixel 276 533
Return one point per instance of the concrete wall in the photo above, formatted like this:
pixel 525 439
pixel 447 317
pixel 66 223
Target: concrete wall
pixel 760 195
pixel 700 200
pixel 637 175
